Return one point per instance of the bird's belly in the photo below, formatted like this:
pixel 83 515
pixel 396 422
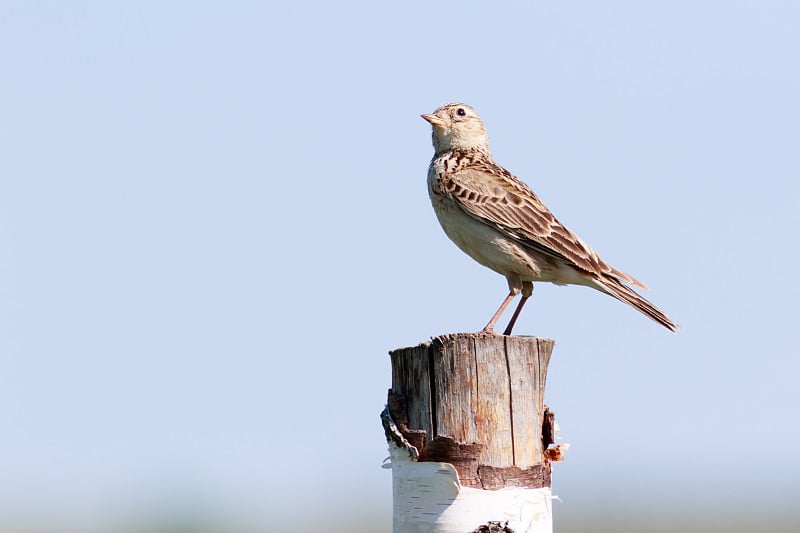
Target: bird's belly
pixel 493 249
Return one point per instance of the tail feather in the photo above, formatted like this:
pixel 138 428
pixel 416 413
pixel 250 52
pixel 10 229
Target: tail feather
pixel 623 293
pixel 627 278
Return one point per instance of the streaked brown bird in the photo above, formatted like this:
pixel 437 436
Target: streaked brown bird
pixel 500 222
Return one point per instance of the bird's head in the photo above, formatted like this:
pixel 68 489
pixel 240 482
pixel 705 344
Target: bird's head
pixel 457 126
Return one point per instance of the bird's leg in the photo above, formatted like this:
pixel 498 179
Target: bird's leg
pixel 527 290
pixel 514 286
pixel 490 326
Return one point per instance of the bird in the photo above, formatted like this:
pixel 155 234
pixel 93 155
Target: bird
pixel 500 222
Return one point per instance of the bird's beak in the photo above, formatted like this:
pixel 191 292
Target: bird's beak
pixel 433 119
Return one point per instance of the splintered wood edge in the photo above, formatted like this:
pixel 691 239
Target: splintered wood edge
pixel 395 436
pixel 463 457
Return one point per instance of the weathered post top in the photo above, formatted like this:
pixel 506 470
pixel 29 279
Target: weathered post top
pixel 476 401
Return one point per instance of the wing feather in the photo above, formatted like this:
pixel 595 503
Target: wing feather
pixel 493 195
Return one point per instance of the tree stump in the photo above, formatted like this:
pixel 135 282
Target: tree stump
pixel 469 433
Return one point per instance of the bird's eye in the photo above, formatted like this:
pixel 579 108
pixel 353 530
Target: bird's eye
pixel 460 112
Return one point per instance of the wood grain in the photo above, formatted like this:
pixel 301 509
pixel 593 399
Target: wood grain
pixel 479 399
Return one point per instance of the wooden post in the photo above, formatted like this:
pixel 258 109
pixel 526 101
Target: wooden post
pixel 469 435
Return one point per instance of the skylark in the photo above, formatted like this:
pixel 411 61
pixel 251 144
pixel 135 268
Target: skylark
pixel 499 221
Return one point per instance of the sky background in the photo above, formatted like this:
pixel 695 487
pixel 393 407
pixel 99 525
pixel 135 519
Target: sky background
pixel 214 225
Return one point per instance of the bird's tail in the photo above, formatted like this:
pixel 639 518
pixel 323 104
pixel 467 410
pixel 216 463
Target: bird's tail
pixel 625 294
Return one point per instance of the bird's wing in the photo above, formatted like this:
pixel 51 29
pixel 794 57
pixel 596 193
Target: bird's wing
pixel 496 197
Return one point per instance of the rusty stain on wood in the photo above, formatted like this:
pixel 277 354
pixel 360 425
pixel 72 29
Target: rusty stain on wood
pixel 532 477
pixel 556 453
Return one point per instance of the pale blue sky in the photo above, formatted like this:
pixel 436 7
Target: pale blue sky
pixel 214 225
